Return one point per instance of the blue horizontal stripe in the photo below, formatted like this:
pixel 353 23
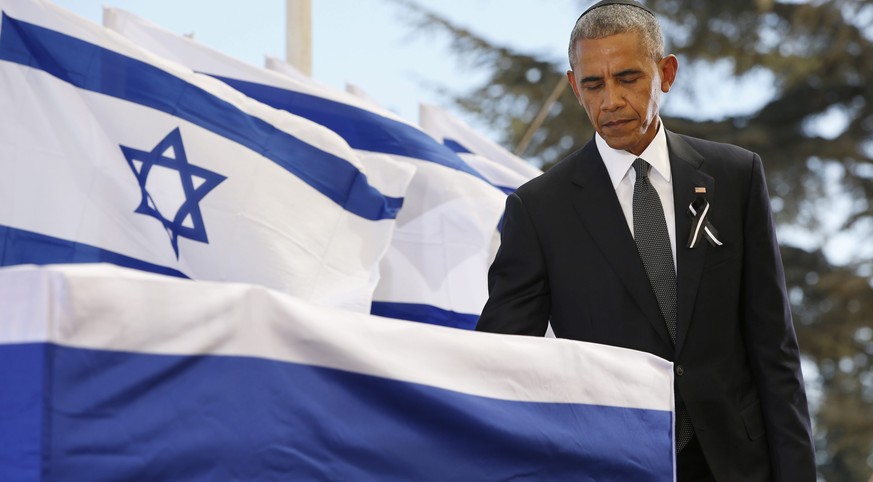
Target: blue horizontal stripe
pixel 456 146
pixel 424 314
pixel 506 189
pixel 124 416
pixel 91 67
pixel 361 129
pixel 18 246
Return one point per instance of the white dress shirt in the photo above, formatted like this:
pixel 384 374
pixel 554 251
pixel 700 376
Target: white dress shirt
pixel 619 164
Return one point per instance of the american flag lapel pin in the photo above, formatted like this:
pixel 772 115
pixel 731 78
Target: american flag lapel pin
pixel 699 190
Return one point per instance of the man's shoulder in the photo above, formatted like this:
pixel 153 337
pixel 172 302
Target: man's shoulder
pixel 712 150
pixel 561 174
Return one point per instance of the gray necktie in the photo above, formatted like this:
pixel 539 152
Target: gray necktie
pixel 653 244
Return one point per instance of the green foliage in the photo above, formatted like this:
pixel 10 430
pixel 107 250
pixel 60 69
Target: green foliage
pixel 819 55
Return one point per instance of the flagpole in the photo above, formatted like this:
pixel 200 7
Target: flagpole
pixel 298 35
pixel 541 116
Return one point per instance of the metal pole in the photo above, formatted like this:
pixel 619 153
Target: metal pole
pixel 541 116
pixel 298 35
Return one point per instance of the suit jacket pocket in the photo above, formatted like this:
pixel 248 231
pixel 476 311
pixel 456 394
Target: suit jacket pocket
pixel 753 421
pixel 720 256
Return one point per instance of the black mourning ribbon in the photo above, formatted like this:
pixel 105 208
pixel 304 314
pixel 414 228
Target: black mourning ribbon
pixel 699 210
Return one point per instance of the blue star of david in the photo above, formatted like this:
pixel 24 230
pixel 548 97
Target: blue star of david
pixel 170 154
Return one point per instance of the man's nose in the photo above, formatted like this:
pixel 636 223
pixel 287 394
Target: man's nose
pixel 613 98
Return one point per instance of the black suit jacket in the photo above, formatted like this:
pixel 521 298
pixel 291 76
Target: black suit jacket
pixel 567 256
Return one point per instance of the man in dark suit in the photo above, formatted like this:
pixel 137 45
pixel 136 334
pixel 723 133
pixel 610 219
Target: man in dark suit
pixel 674 254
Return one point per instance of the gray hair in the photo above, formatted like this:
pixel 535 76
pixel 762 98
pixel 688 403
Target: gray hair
pixel 615 19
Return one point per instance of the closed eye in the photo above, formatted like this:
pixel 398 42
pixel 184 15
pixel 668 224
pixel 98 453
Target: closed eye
pixel 628 76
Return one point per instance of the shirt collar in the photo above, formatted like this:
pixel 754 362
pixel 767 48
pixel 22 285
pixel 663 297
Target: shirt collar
pixel 619 162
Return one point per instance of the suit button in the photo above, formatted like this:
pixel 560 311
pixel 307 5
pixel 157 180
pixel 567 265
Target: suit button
pixel 679 370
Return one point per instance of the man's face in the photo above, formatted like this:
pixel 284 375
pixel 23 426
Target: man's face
pixel 620 88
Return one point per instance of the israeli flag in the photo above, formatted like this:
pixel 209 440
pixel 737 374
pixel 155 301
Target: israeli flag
pixel 114 374
pixel 436 267
pixel 501 167
pixel 109 153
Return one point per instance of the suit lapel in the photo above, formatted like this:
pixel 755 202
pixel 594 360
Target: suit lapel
pixel 597 206
pixel 685 165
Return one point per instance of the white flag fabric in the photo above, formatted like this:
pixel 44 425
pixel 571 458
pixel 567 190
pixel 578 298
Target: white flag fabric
pixel 355 90
pixel 114 374
pixel 109 153
pixel 501 167
pixel 435 269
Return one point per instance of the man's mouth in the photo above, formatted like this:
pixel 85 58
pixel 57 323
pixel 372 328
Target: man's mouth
pixel 615 124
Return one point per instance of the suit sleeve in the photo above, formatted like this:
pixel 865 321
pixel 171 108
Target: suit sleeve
pixel 772 346
pixel 518 288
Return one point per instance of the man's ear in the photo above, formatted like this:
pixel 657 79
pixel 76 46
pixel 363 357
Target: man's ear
pixel 668 68
pixel 571 77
